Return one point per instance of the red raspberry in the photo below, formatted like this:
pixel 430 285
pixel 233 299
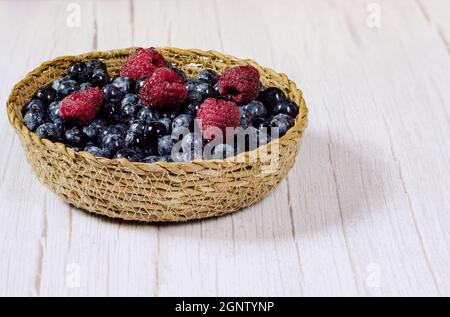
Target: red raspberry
pixel 240 83
pixel 143 62
pixel 217 114
pixel 163 89
pixel 81 107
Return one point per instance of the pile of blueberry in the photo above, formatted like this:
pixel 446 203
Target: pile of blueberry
pixel 126 128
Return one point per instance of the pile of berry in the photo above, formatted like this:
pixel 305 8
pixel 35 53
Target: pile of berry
pixel 154 112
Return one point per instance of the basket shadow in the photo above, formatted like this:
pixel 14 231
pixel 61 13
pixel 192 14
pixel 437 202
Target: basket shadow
pixel 335 181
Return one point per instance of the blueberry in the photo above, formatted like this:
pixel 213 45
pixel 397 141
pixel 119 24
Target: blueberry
pixel 165 145
pixel 178 133
pixel 95 150
pixel 153 132
pixel 250 139
pixel 128 154
pixel 135 134
pixel 222 151
pixel 33 119
pixel 286 107
pixel 113 129
pixel 192 108
pixel 270 97
pixel 195 96
pixel 193 143
pixel 257 110
pixel 84 86
pixel 56 84
pixel 283 122
pixel 112 93
pixel 35 105
pixel 46 94
pixel 152 159
pixel 67 87
pixel 75 137
pixel 78 71
pixel 49 131
pixel 148 115
pixel 111 112
pixel 95 64
pixel 246 118
pixel 208 76
pixel 170 114
pixel 130 99
pixel 190 85
pixel 216 89
pixel 111 143
pixel 181 157
pixel 128 113
pixel 100 78
pixel 125 84
pixel 54 112
pixel 183 120
pixel 167 122
pixel 139 84
pixel 93 130
pixel 205 89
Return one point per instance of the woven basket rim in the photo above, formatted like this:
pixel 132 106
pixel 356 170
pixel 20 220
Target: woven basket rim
pixel 299 126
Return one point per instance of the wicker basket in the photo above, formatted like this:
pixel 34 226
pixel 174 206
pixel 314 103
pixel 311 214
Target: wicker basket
pixel 160 191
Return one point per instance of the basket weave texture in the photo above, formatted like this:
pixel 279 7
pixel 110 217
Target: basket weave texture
pixel 160 191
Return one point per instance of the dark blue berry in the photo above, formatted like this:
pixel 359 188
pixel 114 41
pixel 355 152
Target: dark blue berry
pixel 33 119
pixel 208 76
pixel 111 112
pixel 95 64
pixel 283 122
pixel 125 84
pixel 100 78
pixel 246 118
pixel 75 137
pixel 49 131
pixel 78 71
pixel 135 134
pixel 167 122
pixel 54 112
pixel 190 85
pixel 67 87
pixel 46 94
pixel 93 130
pixel 165 145
pixel 130 99
pixel 152 159
pixel 170 114
pixel 193 144
pixel 286 107
pixel 216 89
pixel 148 115
pixel 183 120
pixel 35 105
pixel 192 108
pixel 128 154
pixel 205 90
pixel 180 73
pixel 95 150
pixel 139 84
pixel 111 143
pixel 153 132
pixel 270 97
pixel 112 93
pixel 257 110
pixel 56 84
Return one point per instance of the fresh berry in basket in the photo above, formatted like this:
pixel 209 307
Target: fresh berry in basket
pixel 142 63
pixel 142 114
pixel 163 89
pixel 81 107
pixel 217 114
pixel 240 84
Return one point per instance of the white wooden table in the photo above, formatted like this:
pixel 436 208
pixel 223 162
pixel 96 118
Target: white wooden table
pixel 366 209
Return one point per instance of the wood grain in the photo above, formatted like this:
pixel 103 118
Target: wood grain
pixel 364 211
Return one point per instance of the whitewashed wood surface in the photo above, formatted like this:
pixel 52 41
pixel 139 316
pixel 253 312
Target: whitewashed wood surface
pixel 366 209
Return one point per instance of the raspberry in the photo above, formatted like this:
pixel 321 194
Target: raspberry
pixel 143 62
pixel 217 114
pixel 164 89
pixel 81 107
pixel 240 84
